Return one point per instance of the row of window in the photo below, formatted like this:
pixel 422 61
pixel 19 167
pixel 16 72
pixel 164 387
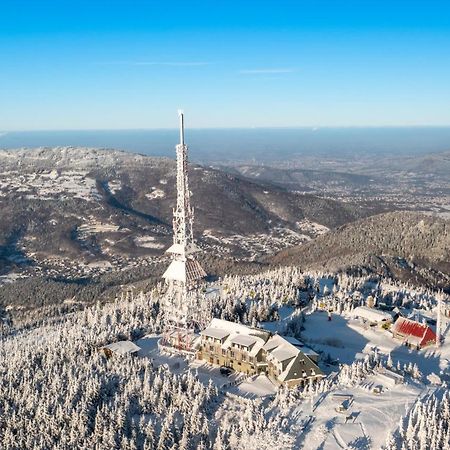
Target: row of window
pixel 232 354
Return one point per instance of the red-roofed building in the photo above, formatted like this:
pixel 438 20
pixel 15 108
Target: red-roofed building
pixel 413 333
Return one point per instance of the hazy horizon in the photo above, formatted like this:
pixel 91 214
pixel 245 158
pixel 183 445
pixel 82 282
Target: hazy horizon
pixel 261 143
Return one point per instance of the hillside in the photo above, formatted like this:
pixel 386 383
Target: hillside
pixel 382 182
pixel 406 245
pixel 99 204
pixel 77 224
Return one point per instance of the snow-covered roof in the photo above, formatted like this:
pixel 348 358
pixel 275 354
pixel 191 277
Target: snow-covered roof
pixel 236 333
pixel 300 367
pixel 374 315
pixel 278 348
pixel 293 341
pixel 123 347
pixel 414 332
pixel 275 341
pixel 216 333
pixel 229 326
pixel 284 353
pixel 309 351
pixel 242 339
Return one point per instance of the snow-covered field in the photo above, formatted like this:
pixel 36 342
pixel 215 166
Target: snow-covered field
pixel 147 242
pixel 49 184
pixel 371 415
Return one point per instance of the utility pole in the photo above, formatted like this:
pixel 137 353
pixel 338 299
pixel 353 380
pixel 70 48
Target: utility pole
pixel 439 320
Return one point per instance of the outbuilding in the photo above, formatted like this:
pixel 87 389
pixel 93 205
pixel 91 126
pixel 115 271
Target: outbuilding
pixel 413 333
pixel 121 348
pixel 371 315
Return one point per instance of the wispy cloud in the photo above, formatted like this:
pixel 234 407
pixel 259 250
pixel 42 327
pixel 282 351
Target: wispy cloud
pixel 155 63
pixel 265 71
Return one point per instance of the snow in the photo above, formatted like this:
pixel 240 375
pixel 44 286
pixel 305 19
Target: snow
pixel 309 417
pixel 258 386
pixel 114 186
pixel 347 433
pixel 215 333
pixel 293 341
pixel 284 353
pixel 374 415
pixel 371 314
pixel 49 185
pixel 314 228
pixel 147 242
pixel 155 194
pixel 346 339
pixel 245 341
pixel 123 347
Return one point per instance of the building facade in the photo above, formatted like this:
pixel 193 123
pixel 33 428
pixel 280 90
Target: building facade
pixel 255 351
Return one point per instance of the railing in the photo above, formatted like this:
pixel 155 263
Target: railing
pixel 167 347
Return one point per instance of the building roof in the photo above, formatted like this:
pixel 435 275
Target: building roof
pixel 244 340
pixel 293 341
pixel 415 332
pixel 239 334
pixel 374 315
pixel 300 367
pixel 239 328
pixel 123 347
pixel 216 333
pixel 283 353
pixel 176 271
pixel 271 344
pixel 309 351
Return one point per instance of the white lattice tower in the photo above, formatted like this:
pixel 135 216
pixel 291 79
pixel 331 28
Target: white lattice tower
pixel 184 271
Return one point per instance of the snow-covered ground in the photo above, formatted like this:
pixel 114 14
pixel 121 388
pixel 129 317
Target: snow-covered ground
pixel 314 422
pixel 368 419
pixel 147 242
pixel 347 339
pixel 48 184
pixel 235 383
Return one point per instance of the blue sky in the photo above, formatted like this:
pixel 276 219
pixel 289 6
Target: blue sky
pixel 132 64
